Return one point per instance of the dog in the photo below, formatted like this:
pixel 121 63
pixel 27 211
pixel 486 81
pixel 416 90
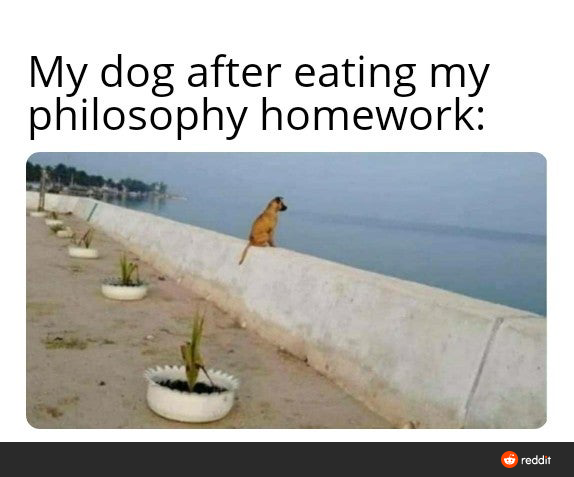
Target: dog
pixel 263 229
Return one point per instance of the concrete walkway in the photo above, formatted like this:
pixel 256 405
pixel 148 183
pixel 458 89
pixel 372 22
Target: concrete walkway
pixel 86 354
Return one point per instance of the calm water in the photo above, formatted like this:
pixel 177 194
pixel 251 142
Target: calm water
pixel 470 223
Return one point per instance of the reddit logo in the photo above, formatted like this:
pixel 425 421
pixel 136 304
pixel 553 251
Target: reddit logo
pixel 509 459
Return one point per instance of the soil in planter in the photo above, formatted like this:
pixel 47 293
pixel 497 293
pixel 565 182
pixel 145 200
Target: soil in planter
pixel 199 388
pixel 118 283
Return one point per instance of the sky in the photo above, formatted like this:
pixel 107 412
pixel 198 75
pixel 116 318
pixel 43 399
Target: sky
pixel 498 191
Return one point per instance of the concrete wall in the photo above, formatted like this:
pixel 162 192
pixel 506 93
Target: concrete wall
pixel 409 351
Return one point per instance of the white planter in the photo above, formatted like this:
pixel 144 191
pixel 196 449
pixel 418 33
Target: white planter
pixel 38 213
pixel 120 292
pixel 185 406
pixel 83 252
pixel 66 233
pixel 54 222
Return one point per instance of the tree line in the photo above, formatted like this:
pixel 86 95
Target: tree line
pixel 62 174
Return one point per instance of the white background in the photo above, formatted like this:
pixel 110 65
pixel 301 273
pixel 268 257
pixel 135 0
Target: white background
pixel 527 98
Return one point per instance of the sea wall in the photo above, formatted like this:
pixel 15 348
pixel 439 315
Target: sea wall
pixel 408 351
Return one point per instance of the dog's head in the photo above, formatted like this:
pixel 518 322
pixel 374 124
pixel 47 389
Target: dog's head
pixel 278 204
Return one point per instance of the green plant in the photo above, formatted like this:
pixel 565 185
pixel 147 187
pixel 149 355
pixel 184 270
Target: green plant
pixel 54 215
pixel 56 228
pixel 64 343
pixel 191 355
pixel 86 239
pixel 127 269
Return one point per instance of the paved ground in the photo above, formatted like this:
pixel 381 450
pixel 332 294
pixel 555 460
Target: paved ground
pixel 86 354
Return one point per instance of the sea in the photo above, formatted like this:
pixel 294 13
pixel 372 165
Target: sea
pixel 472 223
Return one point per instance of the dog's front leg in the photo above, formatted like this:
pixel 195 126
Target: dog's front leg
pixel 271 240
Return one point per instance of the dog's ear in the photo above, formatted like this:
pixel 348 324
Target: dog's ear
pixel 278 199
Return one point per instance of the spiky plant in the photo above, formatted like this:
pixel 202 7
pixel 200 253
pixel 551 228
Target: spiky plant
pixel 192 356
pixel 56 228
pixel 127 269
pixel 42 194
pixel 86 239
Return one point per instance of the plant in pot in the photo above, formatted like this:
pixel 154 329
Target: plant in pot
pixel 81 247
pixel 53 220
pixel 40 212
pixel 65 232
pixel 190 393
pixel 128 286
pixel 62 231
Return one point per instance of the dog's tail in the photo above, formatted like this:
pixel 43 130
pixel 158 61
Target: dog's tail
pixel 244 253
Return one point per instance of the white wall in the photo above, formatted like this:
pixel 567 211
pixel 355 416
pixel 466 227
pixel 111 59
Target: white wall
pixel 409 351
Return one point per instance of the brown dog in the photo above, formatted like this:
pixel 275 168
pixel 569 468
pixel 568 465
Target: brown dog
pixel 264 226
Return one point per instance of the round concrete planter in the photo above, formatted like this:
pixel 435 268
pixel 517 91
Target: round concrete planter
pixel 38 213
pixel 66 233
pixel 185 406
pixel 83 252
pixel 54 222
pixel 113 290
